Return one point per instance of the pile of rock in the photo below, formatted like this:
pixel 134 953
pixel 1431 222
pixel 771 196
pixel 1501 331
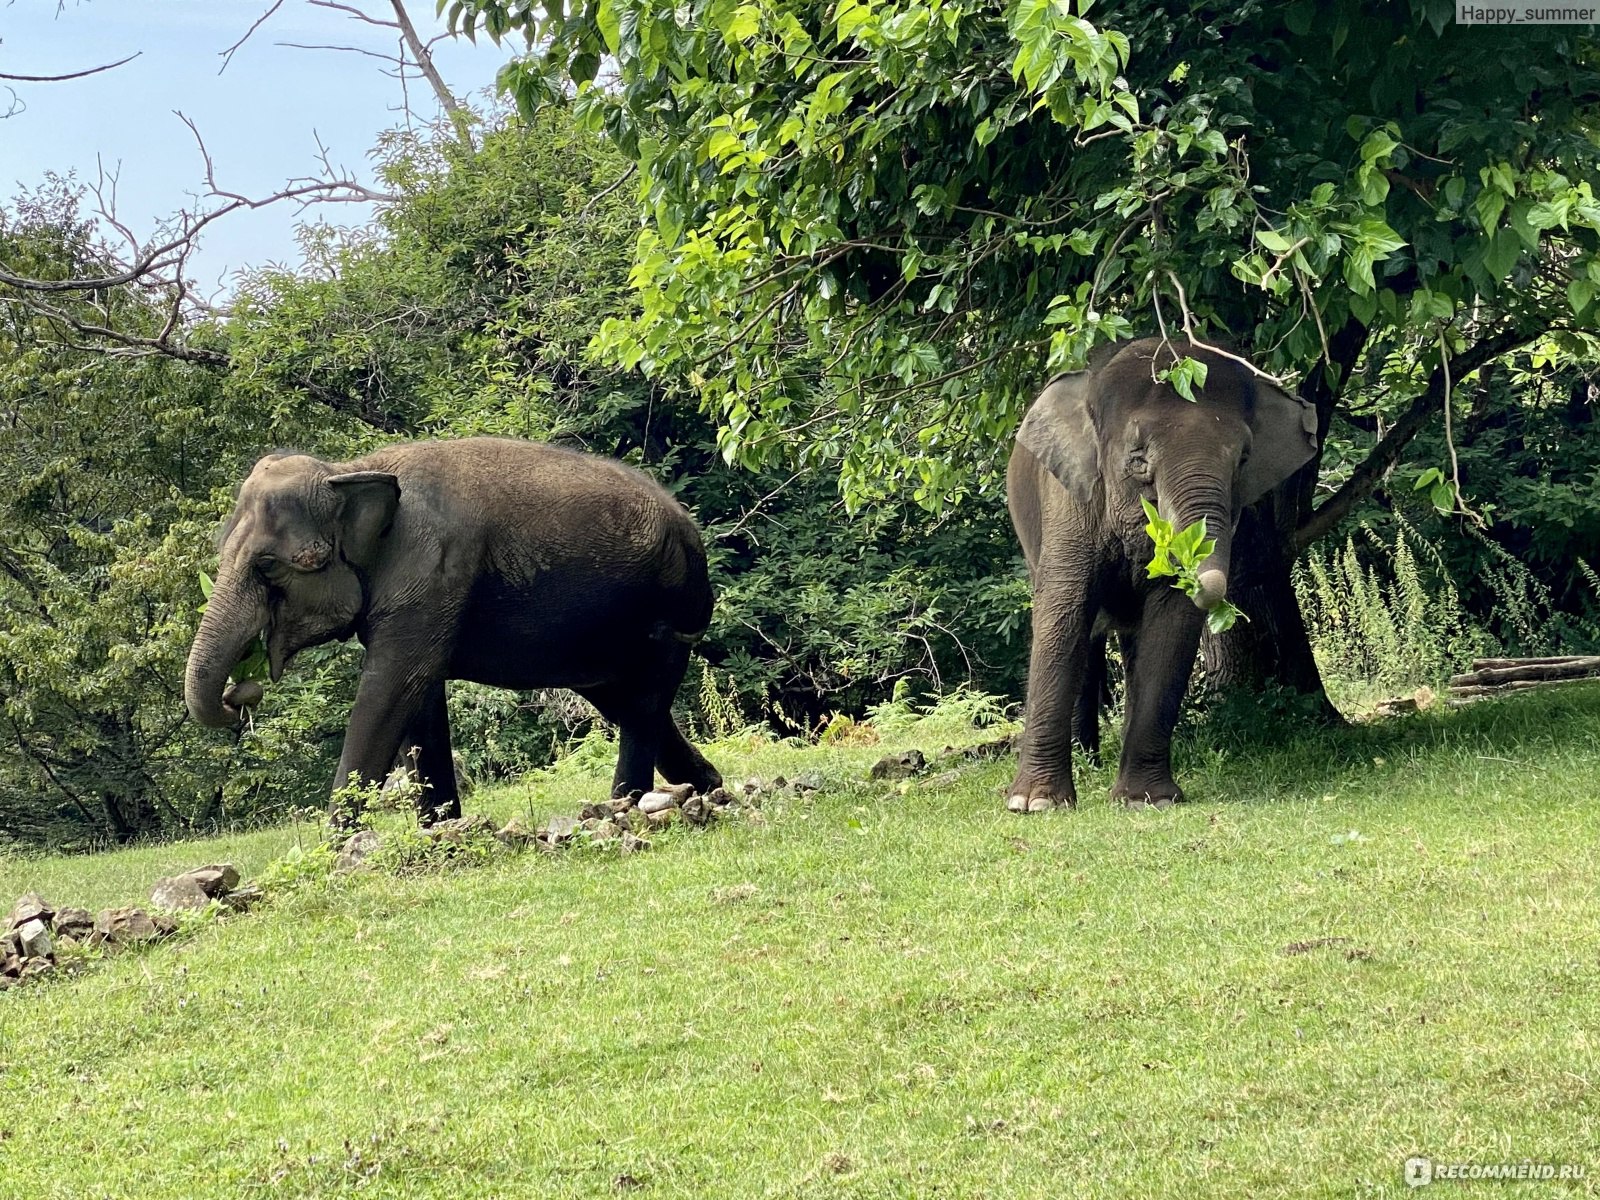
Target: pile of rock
pixel 624 823
pixel 35 933
pixel 628 820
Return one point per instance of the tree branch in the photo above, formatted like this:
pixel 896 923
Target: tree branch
pixel 459 117
pixel 71 75
pixel 1365 478
pixel 227 55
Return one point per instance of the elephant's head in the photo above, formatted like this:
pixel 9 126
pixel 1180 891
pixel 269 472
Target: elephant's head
pixel 1113 435
pixel 292 559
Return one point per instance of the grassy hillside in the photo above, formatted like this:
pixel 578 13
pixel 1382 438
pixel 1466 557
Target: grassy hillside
pixel 1344 952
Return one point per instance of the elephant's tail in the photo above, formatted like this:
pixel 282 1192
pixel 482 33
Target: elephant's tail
pixel 687 581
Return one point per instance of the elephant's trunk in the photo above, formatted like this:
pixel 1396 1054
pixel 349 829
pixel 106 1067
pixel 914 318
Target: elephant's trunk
pixel 235 613
pixel 1209 501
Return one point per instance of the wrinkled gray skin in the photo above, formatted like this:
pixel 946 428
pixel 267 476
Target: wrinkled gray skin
pixel 507 563
pixel 1093 443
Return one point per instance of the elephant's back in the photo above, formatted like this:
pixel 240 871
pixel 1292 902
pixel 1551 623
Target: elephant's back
pixel 548 516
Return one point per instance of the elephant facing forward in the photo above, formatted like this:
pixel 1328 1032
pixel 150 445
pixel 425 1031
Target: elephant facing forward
pixel 508 563
pixel 1093 444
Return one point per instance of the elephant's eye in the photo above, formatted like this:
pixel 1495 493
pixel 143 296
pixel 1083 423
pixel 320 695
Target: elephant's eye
pixel 1138 465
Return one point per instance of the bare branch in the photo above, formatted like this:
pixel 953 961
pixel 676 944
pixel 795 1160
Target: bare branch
pixel 458 115
pixel 352 11
pixel 390 58
pixel 71 75
pixel 227 55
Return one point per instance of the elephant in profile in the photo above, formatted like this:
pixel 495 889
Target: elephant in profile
pixel 508 563
pixel 1092 446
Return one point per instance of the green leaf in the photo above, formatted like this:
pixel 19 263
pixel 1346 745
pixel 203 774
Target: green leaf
pixel 1501 254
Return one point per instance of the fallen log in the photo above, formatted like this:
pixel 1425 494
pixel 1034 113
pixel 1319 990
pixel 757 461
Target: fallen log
pixel 1575 668
pixel 1515 685
pixel 1495 664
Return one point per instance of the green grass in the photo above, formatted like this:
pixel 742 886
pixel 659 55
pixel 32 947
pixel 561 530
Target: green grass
pixel 879 993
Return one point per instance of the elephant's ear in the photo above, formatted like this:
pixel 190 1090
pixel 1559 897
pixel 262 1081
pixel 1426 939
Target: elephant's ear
pixel 1060 432
pixel 1284 437
pixel 367 502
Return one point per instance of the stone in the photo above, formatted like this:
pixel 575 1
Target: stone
pixel 215 880
pixel 899 766
pixel 10 964
pixel 30 907
pixel 242 899
pixel 719 797
pixel 654 802
pixel 514 833
pixel 632 844
pixel 558 830
pixel 752 786
pixel 459 830
pixel 605 831
pixel 34 967
pixel 779 783
pixel 178 892
pixel 697 812
pixel 358 847
pixel 399 786
pixel 678 791
pixel 33 939
pixel 811 781
pixel 73 922
pixel 942 780
pixel 121 926
pixel 596 812
pixel 620 804
pixel 587 824
pixel 662 817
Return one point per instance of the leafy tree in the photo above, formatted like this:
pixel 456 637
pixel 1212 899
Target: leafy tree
pixel 874 228
pixel 116 469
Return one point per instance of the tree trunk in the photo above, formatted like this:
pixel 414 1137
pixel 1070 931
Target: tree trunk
pixel 1271 647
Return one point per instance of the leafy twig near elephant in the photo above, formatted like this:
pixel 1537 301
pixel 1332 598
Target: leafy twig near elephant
pixel 508 563
pixel 1092 446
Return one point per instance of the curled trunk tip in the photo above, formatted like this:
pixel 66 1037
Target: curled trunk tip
pixel 1213 589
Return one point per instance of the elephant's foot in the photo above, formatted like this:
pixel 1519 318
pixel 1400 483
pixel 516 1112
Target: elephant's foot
pixel 1158 794
pixel 1028 795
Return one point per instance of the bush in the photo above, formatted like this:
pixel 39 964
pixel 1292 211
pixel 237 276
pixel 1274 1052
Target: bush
pixel 1385 615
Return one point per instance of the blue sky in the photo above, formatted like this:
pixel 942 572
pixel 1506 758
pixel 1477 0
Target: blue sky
pixel 260 119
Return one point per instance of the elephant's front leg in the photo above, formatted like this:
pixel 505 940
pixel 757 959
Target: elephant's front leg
pixel 389 702
pixel 1057 666
pixel 1158 675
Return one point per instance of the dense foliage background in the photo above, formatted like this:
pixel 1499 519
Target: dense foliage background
pixel 806 263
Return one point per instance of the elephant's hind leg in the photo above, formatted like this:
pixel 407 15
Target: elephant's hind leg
pixel 677 758
pixel 681 762
pixel 430 731
pixel 1092 698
